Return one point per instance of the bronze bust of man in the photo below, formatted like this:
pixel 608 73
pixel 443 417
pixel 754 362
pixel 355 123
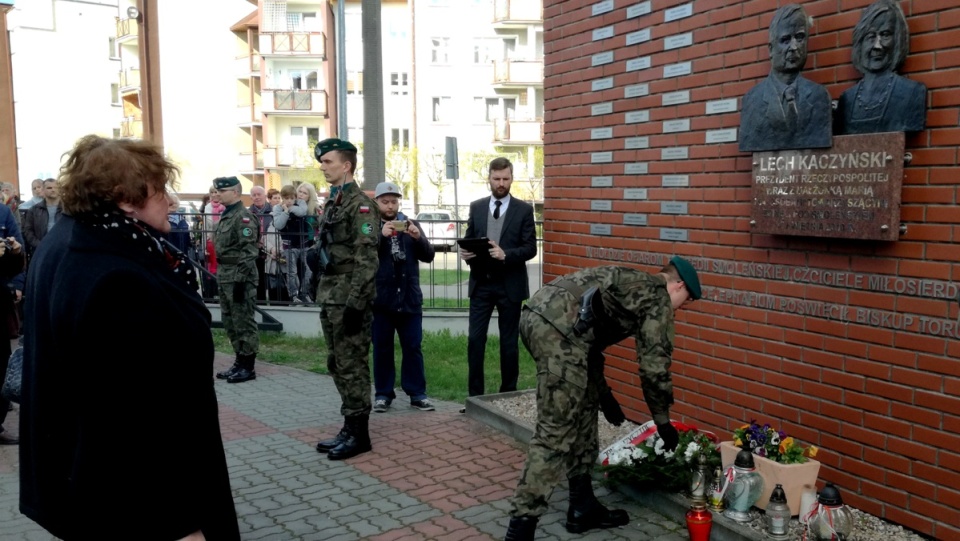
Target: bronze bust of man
pixel 882 101
pixel 786 110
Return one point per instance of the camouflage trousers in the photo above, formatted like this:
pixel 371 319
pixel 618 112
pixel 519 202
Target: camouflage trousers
pixel 565 440
pixel 347 359
pixel 239 318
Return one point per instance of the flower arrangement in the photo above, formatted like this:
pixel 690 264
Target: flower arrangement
pixel 642 460
pixel 773 444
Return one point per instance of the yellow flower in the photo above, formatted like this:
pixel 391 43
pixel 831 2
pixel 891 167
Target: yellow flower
pixel 737 442
pixel 786 444
pixel 812 451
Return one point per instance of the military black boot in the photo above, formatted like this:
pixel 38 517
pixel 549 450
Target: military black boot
pixel 521 528
pixel 224 374
pixel 324 446
pixel 357 441
pixel 245 372
pixel 586 512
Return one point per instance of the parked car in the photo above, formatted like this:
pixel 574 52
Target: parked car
pixel 440 228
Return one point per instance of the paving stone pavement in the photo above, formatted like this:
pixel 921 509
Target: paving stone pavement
pixel 431 475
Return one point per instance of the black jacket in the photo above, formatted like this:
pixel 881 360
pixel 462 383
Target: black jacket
pixel 518 238
pixel 35 224
pixel 398 282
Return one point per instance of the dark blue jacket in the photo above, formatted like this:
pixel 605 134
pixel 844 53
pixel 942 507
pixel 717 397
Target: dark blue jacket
pixel 398 282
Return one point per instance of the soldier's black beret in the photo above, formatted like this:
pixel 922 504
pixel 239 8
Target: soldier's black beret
pixel 332 144
pixel 225 182
pixel 689 276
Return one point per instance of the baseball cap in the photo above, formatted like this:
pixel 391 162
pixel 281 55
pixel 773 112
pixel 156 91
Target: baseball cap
pixel 385 188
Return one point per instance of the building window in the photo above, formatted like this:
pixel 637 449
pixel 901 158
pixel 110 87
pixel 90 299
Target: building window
pixel 115 94
pixel 303 80
pixel 355 83
pixel 493 109
pixel 485 50
pixel 440 50
pixel 399 85
pixel 113 48
pixel 400 137
pixel 441 109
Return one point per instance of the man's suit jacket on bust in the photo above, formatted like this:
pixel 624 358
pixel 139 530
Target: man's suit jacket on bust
pixel 518 239
pixel 763 125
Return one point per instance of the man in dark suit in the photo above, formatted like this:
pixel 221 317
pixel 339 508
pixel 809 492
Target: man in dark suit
pixel 498 278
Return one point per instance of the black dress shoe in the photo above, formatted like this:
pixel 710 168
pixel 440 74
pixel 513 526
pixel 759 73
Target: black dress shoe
pixel 8 440
pixel 241 375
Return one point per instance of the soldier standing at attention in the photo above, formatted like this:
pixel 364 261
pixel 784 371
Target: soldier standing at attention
pixel 348 261
pixel 236 245
pixel 566 326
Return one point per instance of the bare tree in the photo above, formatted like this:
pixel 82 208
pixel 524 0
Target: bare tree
pixel 435 169
pixel 399 166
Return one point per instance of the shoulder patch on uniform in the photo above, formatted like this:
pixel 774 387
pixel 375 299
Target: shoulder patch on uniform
pixel 366 228
pixel 364 209
pixel 246 232
pixel 246 220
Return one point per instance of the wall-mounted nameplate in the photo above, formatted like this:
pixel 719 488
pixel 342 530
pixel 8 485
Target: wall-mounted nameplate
pixel 602 84
pixel 601 205
pixel 602 33
pixel 636 168
pixel 601 182
pixel 636 116
pixel 634 219
pixel 601 108
pixel 635 194
pixel 601 229
pixel 678 12
pixel 643 8
pixel 728 105
pixel 601 133
pixel 673 207
pixel 676 70
pixel 721 136
pixel 639 36
pixel 633 143
pixel 678 41
pixel 636 91
pixel 678 125
pixel 674 153
pixel 600 59
pixel 641 63
pixel 675 181
pixel 601 7
pixel 673 234
pixel 601 157
pixel 676 98
pixel 849 191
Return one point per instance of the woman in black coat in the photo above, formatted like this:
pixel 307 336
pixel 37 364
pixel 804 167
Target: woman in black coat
pixel 119 431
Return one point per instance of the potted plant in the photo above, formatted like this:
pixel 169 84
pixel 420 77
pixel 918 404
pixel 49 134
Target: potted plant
pixel 779 459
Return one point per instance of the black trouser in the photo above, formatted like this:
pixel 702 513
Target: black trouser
pixel 262 280
pixel 4 359
pixel 487 296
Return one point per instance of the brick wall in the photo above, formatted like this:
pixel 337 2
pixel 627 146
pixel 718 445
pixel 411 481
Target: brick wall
pixel 850 345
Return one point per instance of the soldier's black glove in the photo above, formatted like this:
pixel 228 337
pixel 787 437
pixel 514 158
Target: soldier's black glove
pixel 611 409
pixel 668 433
pixel 239 291
pixel 352 321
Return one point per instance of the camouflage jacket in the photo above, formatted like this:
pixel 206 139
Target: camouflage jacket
pixel 635 304
pixel 354 224
pixel 235 243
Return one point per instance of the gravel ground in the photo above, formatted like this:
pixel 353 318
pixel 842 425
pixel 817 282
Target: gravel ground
pixel 867 527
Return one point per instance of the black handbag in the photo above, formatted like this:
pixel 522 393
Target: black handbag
pixel 11 382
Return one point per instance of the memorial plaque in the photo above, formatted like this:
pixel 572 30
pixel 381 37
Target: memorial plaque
pixel 601 205
pixel 601 133
pixel 674 153
pixel 678 12
pixel 721 106
pixel 638 168
pixel 602 33
pixel 643 8
pixel 601 108
pixel 636 116
pixel 678 41
pixel 678 125
pixel 632 143
pixel 601 182
pixel 634 219
pixel 850 191
pixel 601 157
pixel 600 59
pixel 675 181
pixel 673 207
pixel 636 91
pixel 641 63
pixel 676 98
pixel 673 234
pixel 726 135
pixel 635 194
pixel 601 229
pixel 602 84
pixel 639 36
pixel 602 7
pixel 676 70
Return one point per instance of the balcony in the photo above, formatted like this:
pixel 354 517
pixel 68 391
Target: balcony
pixel 249 115
pixel 288 156
pixel 250 162
pixel 127 30
pixel 295 102
pixel 517 73
pixel 298 44
pixel 248 66
pixel 129 80
pixel 518 132
pixel 517 13
pixel 131 127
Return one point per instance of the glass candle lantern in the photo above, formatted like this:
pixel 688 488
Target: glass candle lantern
pixel 715 499
pixel 832 520
pixel 777 514
pixel 743 488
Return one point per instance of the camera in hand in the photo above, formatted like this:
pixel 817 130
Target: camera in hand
pixel 399 225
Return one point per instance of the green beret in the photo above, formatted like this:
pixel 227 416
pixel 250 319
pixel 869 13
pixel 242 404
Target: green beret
pixel 332 144
pixel 225 182
pixel 688 274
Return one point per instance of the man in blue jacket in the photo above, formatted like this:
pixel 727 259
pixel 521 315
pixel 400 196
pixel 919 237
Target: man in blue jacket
pixel 398 307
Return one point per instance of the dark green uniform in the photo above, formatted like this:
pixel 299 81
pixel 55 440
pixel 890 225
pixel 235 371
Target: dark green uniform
pixel 354 222
pixel 235 243
pixel 565 442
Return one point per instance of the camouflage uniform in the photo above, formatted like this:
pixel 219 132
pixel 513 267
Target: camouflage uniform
pixel 565 442
pixel 349 281
pixel 235 243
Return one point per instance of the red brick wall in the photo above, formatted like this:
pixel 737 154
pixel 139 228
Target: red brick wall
pixel 879 394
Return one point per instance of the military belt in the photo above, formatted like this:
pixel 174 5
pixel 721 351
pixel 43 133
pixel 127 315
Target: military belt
pixel 339 269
